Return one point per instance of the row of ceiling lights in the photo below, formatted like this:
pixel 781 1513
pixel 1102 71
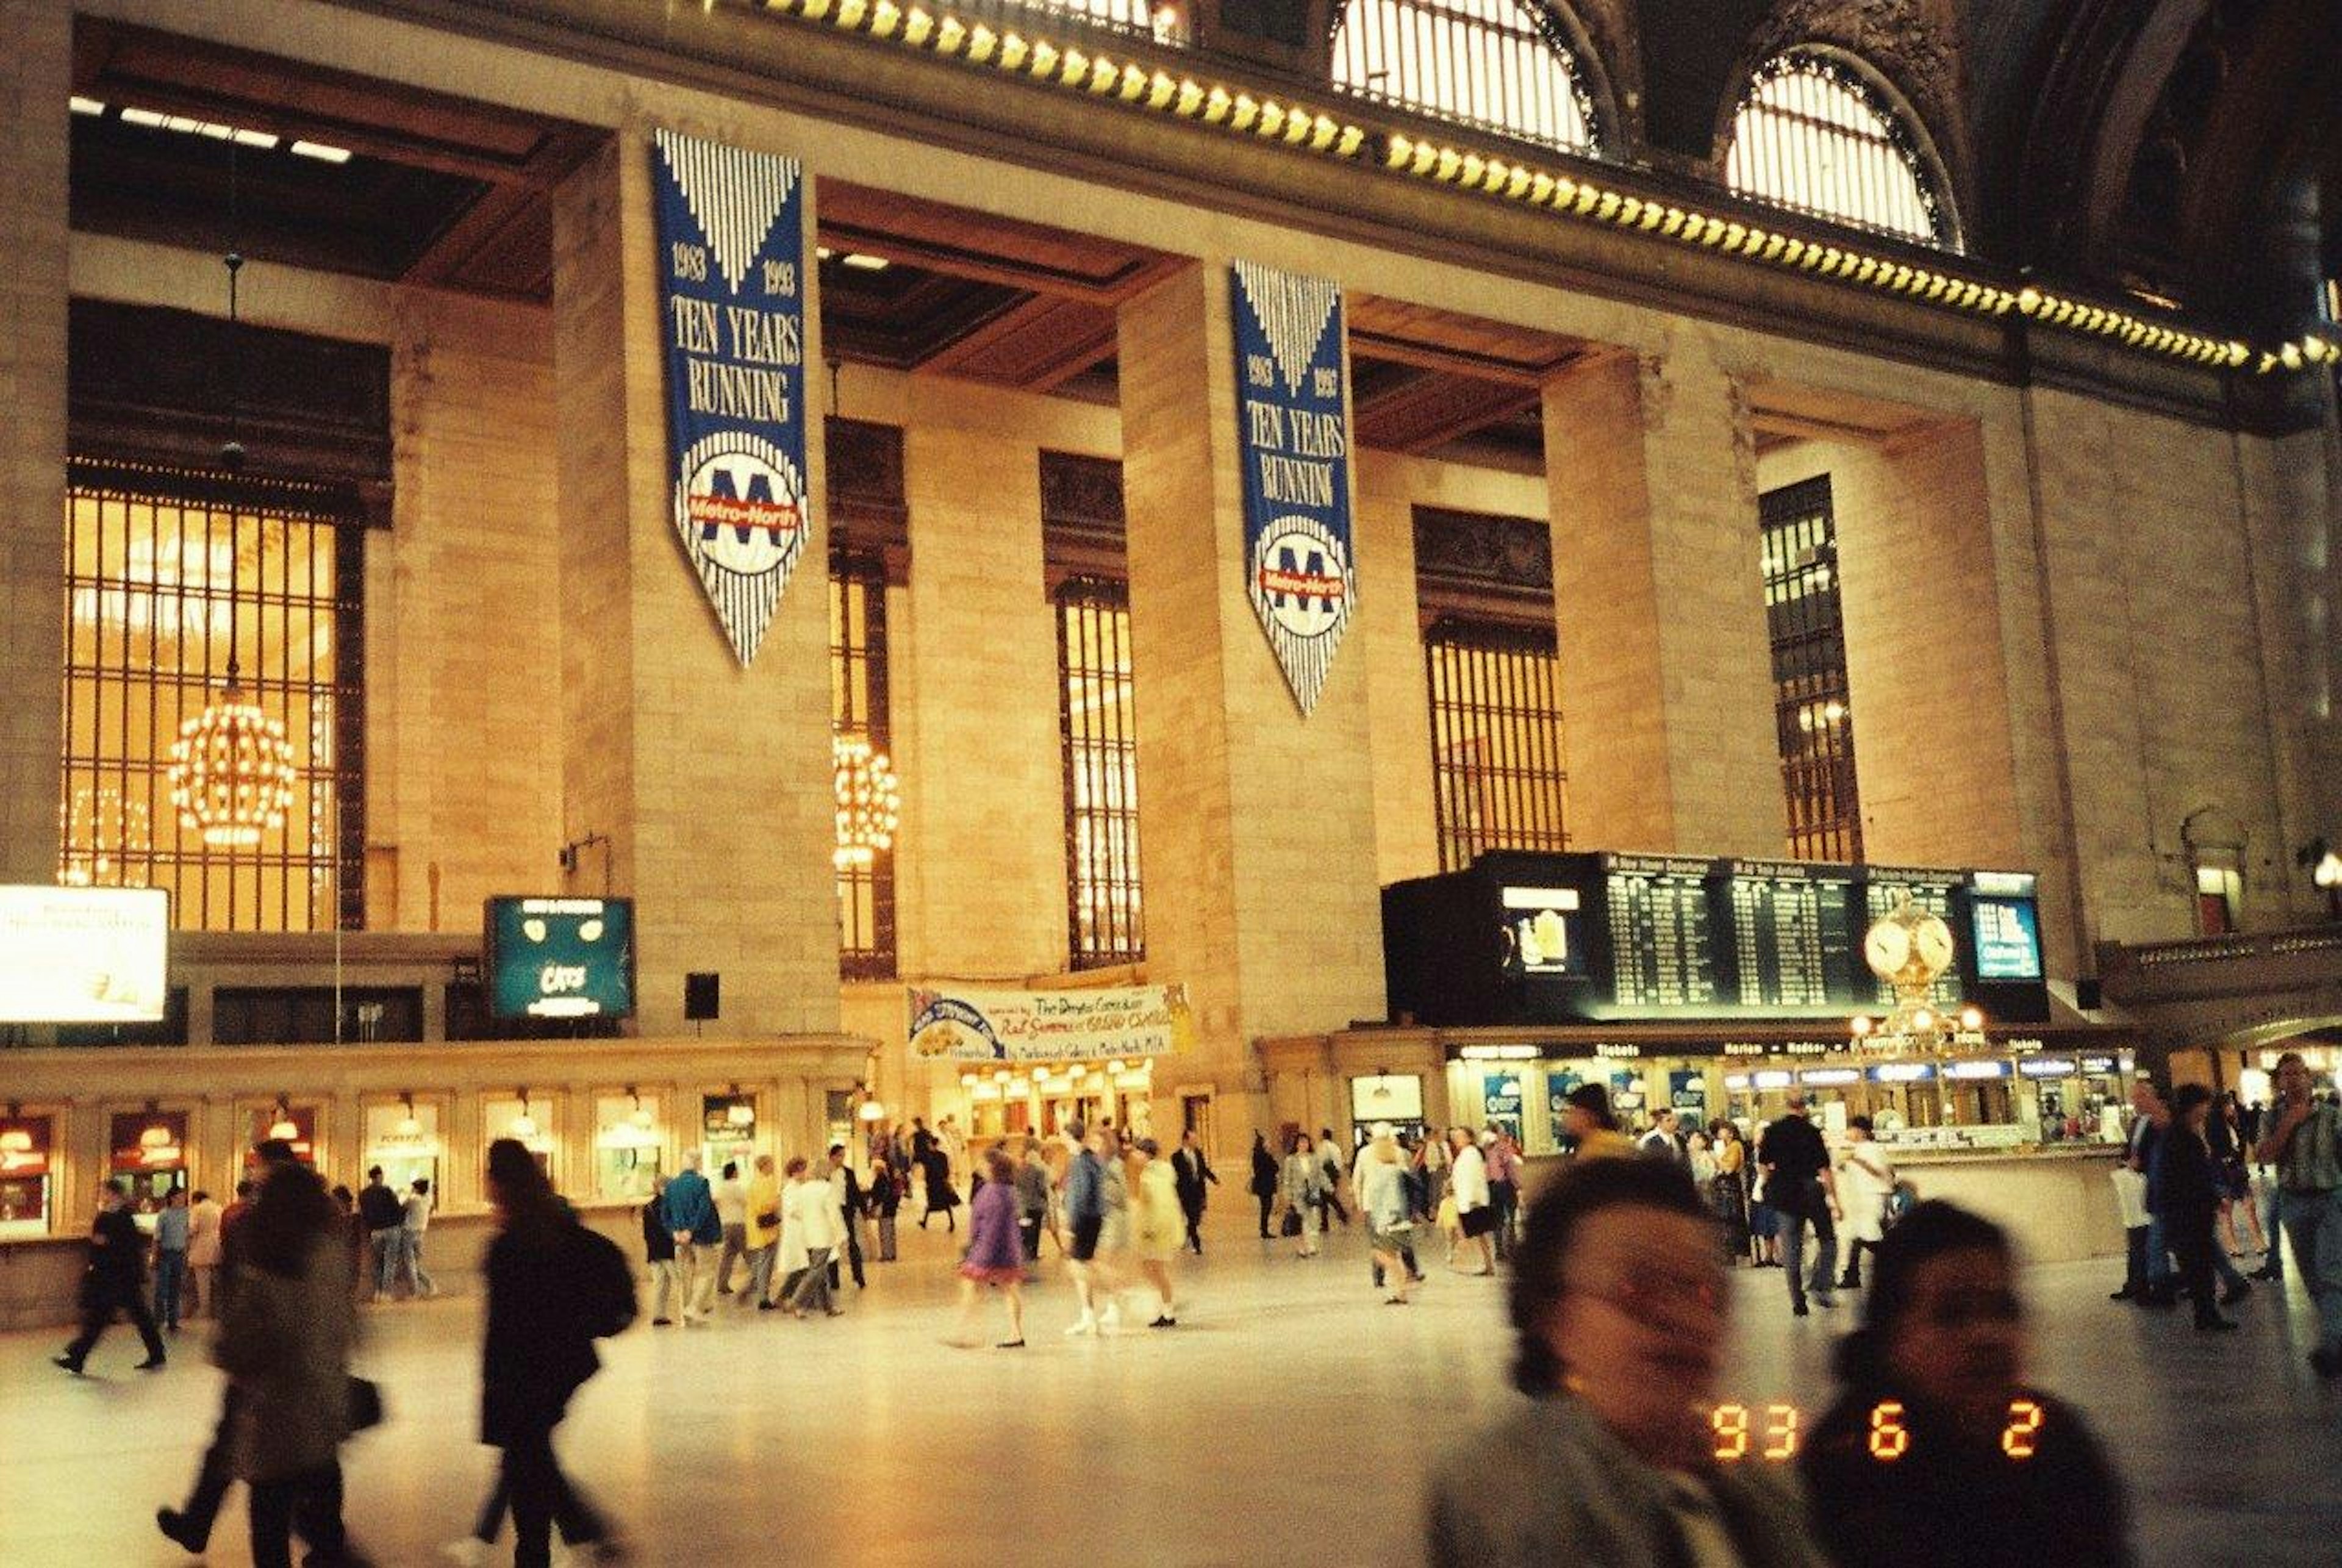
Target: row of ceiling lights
pixel 266 141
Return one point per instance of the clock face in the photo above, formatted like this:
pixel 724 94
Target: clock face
pixel 1887 948
pixel 1934 940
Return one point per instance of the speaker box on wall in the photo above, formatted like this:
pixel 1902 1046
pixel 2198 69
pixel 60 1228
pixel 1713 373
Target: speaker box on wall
pixel 2087 994
pixel 702 997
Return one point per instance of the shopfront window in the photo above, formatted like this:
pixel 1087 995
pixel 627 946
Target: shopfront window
pixel 1497 775
pixel 1503 65
pixel 1105 921
pixel 168 578
pixel 858 711
pixel 1816 135
pixel 629 1145
pixel 26 1180
pixel 1813 716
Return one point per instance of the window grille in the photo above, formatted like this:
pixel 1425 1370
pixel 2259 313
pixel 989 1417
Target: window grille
pixel 1500 65
pixel 1813 717
pixel 153 566
pixel 857 711
pixel 1497 775
pixel 1163 22
pixel 1104 918
pixel 1812 136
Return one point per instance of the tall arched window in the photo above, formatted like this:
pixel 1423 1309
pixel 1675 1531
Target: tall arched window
pixel 1504 65
pixel 1813 134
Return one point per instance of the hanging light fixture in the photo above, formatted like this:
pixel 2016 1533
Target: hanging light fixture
pixel 869 802
pixel 409 1125
pixel 284 1127
pixel 523 1126
pixel 232 772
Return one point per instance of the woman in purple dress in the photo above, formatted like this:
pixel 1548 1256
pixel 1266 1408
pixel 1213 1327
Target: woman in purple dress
pixel 996 1256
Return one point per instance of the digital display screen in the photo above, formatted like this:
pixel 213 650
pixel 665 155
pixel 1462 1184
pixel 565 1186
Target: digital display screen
pixel 1661 942
pixel 1776 1432
pixel 1542 935
pixel 1793 933
pixel 82 954
pixel 2008 938
pixel 559 957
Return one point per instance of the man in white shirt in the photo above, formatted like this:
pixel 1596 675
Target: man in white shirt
pixel 1468 1180
pixel 1866 1180
pixel 810 1210
pixel 732 1213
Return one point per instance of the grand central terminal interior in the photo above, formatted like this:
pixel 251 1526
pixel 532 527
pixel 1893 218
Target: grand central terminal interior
pixel 684 581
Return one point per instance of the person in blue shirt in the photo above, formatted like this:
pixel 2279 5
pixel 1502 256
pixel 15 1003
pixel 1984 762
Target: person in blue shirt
pixel 171 1234
pixel 691 1217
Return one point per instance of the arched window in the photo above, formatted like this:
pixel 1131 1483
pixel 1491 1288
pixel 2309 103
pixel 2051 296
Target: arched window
pixel 1813 134
pixel 1504 65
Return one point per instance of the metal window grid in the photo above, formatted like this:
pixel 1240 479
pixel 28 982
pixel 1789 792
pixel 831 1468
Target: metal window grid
pixel 1504 66
pixel 153 561
pixel 857 662
pixel 1498 780
pixel 1105 917
pixel 1812 715
pixel 1812 136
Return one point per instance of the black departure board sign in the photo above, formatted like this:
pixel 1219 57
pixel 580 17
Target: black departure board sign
pixel 1662 936
pixel 1522 937
pixel 1793 933
pixel 1884 889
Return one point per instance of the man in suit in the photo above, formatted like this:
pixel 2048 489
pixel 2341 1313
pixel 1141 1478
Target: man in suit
pixel 1191 1172
pixel 116 1282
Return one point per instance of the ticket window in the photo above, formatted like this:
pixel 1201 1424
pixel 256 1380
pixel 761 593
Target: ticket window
pixel 530 1120
pixel 402 1136
pixel 28 1181
pixel 630 1146
pixel 286 1123
pixel 146 1151
pixel 728 1128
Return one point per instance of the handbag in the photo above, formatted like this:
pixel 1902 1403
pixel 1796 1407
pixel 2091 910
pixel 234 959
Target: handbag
pixel 365 1402
pixel 1291 1226
pixel 770 1220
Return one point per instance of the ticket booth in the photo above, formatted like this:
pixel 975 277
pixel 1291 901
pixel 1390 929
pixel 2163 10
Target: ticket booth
pixel 28 1181
pixel 147 1152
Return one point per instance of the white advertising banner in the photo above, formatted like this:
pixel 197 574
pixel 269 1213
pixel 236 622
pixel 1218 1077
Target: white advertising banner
pixel 979 1024
pixel 82 954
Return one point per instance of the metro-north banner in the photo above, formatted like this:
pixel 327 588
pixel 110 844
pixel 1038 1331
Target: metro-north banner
pixel 1293 423
pixel 731 261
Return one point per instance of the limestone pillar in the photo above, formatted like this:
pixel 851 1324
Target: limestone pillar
pixel 1666 665
pixel 711 782
pixel 1256 826
pixel 36 79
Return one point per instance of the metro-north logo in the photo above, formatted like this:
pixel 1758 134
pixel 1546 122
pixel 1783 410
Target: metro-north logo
pixel 740 506
pixel 1300 577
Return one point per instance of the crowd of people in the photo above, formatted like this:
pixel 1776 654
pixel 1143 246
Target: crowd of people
pixel 1616 1287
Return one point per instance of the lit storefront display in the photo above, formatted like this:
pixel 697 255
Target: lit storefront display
pixel 533 1119
pixel 629 1145
pixel 149 1150
pixel 402 1136
pixel 280 1120
pixel 27 1181
pixel 727 1127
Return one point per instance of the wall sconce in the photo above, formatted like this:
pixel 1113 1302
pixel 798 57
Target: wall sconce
pixel 17 1140
pixel 641 1118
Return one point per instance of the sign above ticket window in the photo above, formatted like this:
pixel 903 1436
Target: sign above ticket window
pixel 731 263
pixel 1293 427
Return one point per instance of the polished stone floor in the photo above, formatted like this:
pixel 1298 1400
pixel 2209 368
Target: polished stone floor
pixel 1287 1419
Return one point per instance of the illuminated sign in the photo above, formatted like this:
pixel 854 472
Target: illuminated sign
pixel 1971 1070
pixel 559 957
pixel 82 954
pixel 2046 1067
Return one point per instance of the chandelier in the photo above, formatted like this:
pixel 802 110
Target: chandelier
pixel 232 770
pixel 107 840
pixel 869 802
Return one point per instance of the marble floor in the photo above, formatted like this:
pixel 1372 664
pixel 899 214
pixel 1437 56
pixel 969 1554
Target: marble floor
pixel 1287 1419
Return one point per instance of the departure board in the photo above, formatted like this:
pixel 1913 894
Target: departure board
pixel 1663 950
pixel 1884 888
pixel 1793 933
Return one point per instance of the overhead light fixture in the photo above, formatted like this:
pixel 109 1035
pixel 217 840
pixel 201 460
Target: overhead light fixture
pixel 866 263
pixel 869 802
pixel 642 1116
pixel 321 151
pixel 523 1126
pixel 284 1128
pixel 409 1126
pixel 740 1113
pixel 82 105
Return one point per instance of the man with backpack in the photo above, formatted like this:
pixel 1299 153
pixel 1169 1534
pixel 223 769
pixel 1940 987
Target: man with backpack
pixel 553 1287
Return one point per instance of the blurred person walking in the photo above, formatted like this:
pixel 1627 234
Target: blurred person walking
pixel 553 1287
pixel 1264 1180
pixel 204 1219
pixel 172 1227
pixel 1034 1199
pixel 1727 1192
pixel 1084 1219
pixel 1800 1186
pixel 1329 1156
pixel 1114 1226
pixel 996 1256
pixel 1938 1452
pixel 114 1281
pixel 284 1341
pixel 731 1194
pixel 1865 1181
pixel 2304 1144
pixel 1381 1183
pixel 414 1226
pixel 936 1168
pixel 808 1206
pixel 2191 1205
pixel 886 1202
pixel 1305 1192
pixel 1193 1174
pixel 1502 1152
pixel 1467 1176
pixel 1157 1217
pixel 846 1197
pixel 763 1232
pixel 1592 1126
pixel 692 1219
pixel 669 1286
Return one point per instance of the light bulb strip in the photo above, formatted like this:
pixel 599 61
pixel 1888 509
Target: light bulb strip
pixel 1238 111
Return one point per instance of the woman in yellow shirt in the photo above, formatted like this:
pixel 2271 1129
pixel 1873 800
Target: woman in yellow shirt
pixel 1585 1117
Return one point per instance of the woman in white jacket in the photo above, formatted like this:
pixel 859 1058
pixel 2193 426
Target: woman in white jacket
pixel 809 1214
pixel 1468 1180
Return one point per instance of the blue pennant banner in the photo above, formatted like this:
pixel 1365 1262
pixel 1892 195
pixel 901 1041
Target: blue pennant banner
pixel 731 260
pixel 1293 419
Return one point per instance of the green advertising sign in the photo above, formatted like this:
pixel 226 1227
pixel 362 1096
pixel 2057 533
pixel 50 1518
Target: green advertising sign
pixel 559 957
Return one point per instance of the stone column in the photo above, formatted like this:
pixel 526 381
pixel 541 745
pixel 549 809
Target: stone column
pixel 36 78
pixel 712 781
pixel 1666 665
pixel 1257 826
